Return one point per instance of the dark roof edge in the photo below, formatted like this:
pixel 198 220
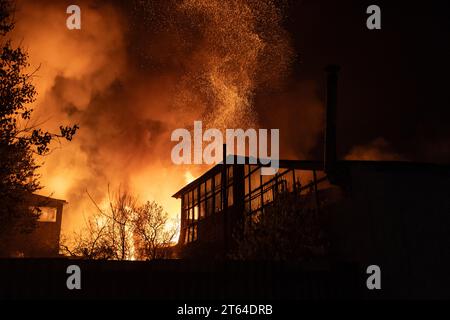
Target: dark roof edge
pixel 298 164
pixel 318 165
pixel 38 197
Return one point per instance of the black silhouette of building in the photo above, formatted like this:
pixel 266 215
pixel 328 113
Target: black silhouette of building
pixel 217 203
pixel 394 214
pixel 43 241
pixel 221 201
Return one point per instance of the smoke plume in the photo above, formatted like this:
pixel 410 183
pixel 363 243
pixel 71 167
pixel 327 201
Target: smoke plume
pixel 378 150
pixel 135 72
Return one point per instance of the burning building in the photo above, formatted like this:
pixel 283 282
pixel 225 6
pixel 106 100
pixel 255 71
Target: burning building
pixel 214 204
pixel 390 213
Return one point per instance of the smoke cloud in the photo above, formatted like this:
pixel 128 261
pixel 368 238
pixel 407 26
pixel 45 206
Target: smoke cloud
pixel 379 150
pixel 135 72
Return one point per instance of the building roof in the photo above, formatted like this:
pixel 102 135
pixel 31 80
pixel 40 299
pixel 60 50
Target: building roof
pixel 44 201
pixel 298 164
pixel 318 165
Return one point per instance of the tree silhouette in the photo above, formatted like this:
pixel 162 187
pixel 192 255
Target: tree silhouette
pixel 153 232
pixel 20 141
pixel 288 230
pixel 123 230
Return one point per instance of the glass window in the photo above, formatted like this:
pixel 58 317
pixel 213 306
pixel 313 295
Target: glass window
pixel 47 214
pixel 230 196
pixel 185 200
pixel 256 203
pixel 210 206
pixel 246 169
pixel 202 191
pixel 230 174
pixel 218 202
pixel 196 212
pixel 217 181
pixel 194 233
pixel 202 210
pixel 186 238
pixel 208 186
pixel 267 178
pixel 195 195
pixel 255 180
pixel 268 196
pixel 191 233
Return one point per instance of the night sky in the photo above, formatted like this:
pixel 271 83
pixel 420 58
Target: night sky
pixel 394 82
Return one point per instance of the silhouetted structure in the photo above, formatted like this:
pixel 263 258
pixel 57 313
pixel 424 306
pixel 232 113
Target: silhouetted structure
pixel 44 240
pixel 222 200
pixel 392 214
pixel 210 215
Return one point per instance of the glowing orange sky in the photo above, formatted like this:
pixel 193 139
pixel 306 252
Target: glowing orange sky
pixel 126 114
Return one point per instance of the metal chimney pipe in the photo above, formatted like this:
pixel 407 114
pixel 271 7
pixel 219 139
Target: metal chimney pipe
pixel 330 153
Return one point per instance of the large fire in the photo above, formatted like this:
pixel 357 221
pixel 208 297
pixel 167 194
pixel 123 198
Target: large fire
pixel 134 73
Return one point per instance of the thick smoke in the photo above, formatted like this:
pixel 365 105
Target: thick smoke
pixel 135 72
pixel 299 113
pixel 379 150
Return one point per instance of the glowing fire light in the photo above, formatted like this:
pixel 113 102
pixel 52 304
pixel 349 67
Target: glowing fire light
pixel 205 62
pixel 188 177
